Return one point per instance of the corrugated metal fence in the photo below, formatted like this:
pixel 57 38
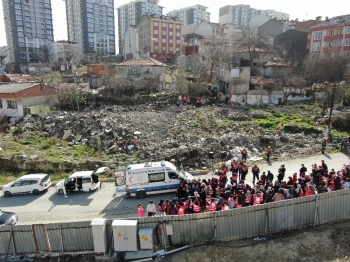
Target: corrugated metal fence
pixel 217 226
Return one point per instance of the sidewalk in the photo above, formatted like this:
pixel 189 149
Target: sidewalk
pixel 335 161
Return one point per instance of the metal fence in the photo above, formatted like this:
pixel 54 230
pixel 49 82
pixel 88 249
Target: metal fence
pixel 218 226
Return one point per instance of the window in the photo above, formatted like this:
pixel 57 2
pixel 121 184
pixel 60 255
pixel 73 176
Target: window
pixel 0 103
pixel 163 24
pixel 155 40
pixel 12 104
pixel 164 48
pixel 147 71
pixel 317 35
pixel 163 40
pixel 337 42
pixel 154 55
pixel 347 42
pixel 155 23
pixel 177 41
pixel 170 33
pixel 331 32
pixel 156 177
pixel 170 48
pixel 120 71
pixel 316 46
pixel 348 30
pixel 170 25
pixel 173 175
pixel 178 26
pixel 330 44
pixel 156 47
pixel 155 32
pixel 164 32
pixel 178 34
pixel 170 41
pixel 177 49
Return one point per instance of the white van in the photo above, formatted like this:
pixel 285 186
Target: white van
pixel 85 181
pixel 149 178
pixel 34 183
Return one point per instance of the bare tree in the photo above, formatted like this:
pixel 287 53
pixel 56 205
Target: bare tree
pixel 210 56
pixel 253 42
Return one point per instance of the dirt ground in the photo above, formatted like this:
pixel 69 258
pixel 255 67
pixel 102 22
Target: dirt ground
pixel 329 242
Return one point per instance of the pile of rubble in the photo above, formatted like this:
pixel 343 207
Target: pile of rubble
pixel 183 135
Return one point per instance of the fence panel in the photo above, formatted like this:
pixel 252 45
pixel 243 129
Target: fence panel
pixel 23 238
pixel 224 225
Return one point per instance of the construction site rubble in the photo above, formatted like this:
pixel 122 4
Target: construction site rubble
pixel 183 135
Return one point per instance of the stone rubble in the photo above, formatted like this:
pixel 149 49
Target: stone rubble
pixel 184 135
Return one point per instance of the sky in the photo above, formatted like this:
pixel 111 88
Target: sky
pixel 301 9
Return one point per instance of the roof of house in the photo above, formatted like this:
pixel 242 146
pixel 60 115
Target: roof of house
pixel 20 78
pixel 334 21
pixel 12 88
pixel 261 81
pixel 148 61
pixel 63 86
pixel 276 64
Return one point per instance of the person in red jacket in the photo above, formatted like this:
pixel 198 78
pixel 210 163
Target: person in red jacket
pixel 268 153
pixel 182 209
pixel 212 205
pixel 161 207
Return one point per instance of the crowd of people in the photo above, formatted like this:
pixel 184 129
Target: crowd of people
pixel 228 189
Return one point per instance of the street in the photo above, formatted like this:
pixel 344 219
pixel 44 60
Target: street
pixel 50 207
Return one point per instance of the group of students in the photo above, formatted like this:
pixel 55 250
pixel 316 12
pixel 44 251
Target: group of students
pixel 225 193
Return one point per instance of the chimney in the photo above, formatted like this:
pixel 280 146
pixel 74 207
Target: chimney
pixel 137 56
pixel 327 19
pixel 318 18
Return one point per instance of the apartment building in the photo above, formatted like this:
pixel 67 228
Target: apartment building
pixel 331 37
pixel 191 15
pixel 275 14
pixel 90 23
pixel 238 14
pixel 28 26
pixel 160 37
pixel 131 13
pixel 65 52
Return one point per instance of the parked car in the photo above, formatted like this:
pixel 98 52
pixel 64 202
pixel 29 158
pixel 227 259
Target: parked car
pixel 34 183
pixel 85 181
pixel 8 218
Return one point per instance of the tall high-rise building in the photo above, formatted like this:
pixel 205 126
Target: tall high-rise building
pixel 237 14
pixel 28 25
pixel 191 15
pixel 131 13
pixel 90 23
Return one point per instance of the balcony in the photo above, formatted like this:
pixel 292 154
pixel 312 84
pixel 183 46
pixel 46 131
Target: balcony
pixel 332 37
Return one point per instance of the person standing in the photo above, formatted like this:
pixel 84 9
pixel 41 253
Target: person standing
pixel 268 153
pixel 161 207
pixel 255 171
pixel 323 145
pixel 302 170
pixel 140 210
pixel 244 154
pixel 151 209
pixel 184 101
pixel 244 171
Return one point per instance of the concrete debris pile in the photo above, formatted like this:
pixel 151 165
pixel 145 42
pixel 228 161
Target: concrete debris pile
pixel 182 135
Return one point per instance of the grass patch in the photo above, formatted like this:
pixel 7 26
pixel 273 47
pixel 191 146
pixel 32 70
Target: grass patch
pixel 289 123
pixel 225 123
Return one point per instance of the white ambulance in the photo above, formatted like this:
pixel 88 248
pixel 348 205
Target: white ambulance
pixel 144 179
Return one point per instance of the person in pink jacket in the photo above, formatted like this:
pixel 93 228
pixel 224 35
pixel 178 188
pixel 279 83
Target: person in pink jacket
pixel 140 210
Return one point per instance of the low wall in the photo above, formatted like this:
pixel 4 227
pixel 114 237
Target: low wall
pixel 217 226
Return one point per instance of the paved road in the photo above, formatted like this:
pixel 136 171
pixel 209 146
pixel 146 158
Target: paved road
pixel 50 207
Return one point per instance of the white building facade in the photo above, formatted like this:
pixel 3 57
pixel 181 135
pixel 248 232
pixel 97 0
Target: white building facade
pixel 191 15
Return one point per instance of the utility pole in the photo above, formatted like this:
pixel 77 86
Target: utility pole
pixel 329 138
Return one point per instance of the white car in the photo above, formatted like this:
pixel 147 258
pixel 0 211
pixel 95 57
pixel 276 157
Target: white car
pixel 85 181
pixel 34 183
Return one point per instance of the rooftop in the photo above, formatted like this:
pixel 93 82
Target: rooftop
pixel 148 61
pixel 334 21
pixel 20 78
pixel 12 88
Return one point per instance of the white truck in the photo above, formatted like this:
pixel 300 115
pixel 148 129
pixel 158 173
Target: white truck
pixel 144 179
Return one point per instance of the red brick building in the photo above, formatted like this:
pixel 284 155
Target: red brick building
pixel 160 37
pixel 331 38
